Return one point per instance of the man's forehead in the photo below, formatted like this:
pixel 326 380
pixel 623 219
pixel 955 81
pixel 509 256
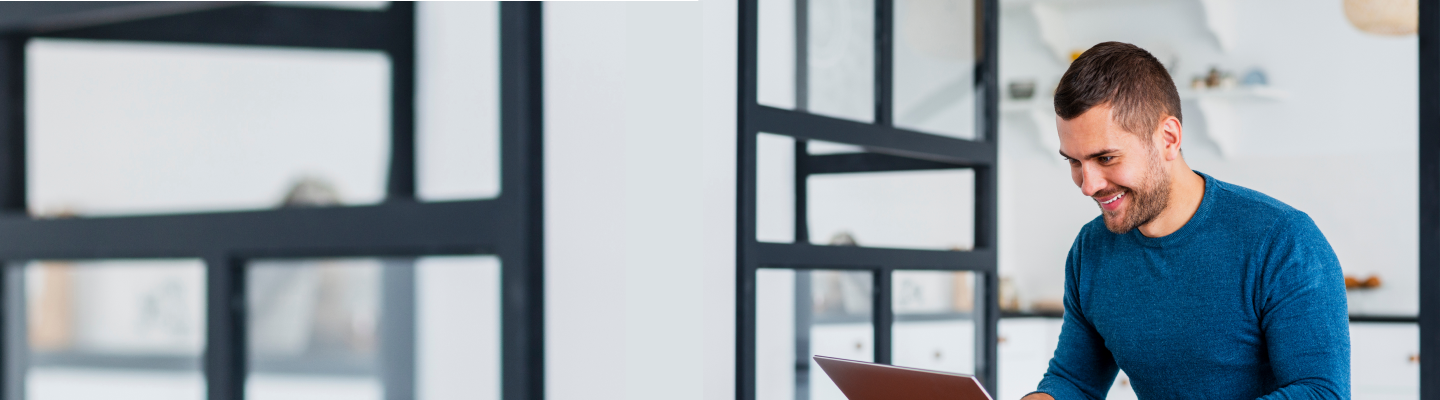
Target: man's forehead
pixel 1092 132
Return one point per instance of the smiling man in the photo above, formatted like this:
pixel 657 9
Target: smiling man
pixel 1197 288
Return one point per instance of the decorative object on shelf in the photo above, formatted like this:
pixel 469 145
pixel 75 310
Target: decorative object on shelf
pixel 1384 17
pixel 1353 282
pixel 1216 78
pixel 311 191
pixel 1009 296
pixel 1022 89
pixel 962 294
pixel 843 238
pixel 1255 77
pixel 1048 306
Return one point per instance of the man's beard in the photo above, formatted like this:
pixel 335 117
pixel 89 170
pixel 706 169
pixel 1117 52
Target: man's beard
pixel 1145 203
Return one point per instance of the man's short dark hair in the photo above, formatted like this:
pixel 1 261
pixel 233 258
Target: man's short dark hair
pixel 1128 78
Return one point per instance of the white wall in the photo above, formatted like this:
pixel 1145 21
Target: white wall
pixel 1341 147
pixel 640 212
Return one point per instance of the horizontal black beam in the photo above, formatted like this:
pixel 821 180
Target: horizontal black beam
pixel 26 17
pixel 1385 319
pixel 395 228
pixel 868 162
pixel 807 256
pixel 257 25
pixel 874 138
pixel 898 318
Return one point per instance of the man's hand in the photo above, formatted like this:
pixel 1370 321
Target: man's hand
pixel 1038 396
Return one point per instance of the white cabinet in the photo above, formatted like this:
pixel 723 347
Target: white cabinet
pixel 1024 351
pixel 946 345
pixel 851 341
pixel 1384 361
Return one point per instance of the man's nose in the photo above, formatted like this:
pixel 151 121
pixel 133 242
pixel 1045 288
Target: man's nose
pixel 1091 182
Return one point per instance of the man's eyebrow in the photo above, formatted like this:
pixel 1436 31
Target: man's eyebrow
pixel 1101 153
pixel 1092 155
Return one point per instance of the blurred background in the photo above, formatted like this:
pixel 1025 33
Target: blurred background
pixel 1313 103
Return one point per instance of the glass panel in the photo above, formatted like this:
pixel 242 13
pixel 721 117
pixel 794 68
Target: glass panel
pixel 928 209
pixel 934 324
pixel 841 49
pixel 457 102
pixel 111 329
pixel 775 188
pixel 169 128
pixel 836 57
pixel 457 328
pixel 775 66
pixel 347 328
pixel 934 66
pixel 800 314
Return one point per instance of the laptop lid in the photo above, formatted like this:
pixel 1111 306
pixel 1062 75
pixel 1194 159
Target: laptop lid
pixel 861 380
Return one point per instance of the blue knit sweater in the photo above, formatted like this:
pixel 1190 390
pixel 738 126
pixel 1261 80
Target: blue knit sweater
pixel 1245 301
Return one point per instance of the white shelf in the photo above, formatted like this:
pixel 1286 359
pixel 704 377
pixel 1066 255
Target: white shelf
pixel 1217 109
pixel 1263 93
pixel 1219 21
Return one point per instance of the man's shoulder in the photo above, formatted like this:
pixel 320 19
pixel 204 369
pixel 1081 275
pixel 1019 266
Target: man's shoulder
pixel 1246 212
pixel 1249 206
pixel 1229 197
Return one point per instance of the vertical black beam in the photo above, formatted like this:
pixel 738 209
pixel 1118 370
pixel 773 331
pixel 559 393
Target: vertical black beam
pixel 802 191
pixel 987 45
pixel 883 313
pixel 884 62
pixel 987 317
pixel 802 55
pixel 745 200
pixel 12 124
pixel 12 200
pixel 987 189
pixel 397 328
pixel 1429 36
pixel 225 321
pixel 804 320
pixel 522 270
pixel 401 49
pixel 16 350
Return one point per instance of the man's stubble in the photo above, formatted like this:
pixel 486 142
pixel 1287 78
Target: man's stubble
pixel 1146 202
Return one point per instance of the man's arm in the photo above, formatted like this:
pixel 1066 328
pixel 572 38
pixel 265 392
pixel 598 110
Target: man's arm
pixel 1303 314
pixel 1082 367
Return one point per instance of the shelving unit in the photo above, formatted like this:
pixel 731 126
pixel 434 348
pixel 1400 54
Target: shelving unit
pixel 1049 16
pixel 1217 109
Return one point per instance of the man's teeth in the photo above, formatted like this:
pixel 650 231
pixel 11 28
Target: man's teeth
pixel 1112 199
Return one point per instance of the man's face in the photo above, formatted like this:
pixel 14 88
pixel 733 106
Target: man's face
pixel 1121 171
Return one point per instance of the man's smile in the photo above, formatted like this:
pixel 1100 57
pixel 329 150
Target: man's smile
pixel 1111 203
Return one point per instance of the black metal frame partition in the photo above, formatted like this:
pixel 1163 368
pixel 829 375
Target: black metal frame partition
pixel 1429 38
pixel 888 149
pixel 509 226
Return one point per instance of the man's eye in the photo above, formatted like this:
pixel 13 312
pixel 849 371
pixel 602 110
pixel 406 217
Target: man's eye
pixel 1106 159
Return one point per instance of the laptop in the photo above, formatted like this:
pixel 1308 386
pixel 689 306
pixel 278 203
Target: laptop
pixel 861 380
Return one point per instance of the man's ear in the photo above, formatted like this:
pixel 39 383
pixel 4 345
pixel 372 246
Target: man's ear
pixel 1168 137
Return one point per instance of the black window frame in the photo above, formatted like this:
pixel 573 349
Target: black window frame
pixel 888 149
pixel 1429 143
pixel 509 226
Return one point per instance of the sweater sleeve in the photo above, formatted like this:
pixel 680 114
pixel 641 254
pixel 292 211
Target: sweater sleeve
pixel 1303 313
pixel 1082 367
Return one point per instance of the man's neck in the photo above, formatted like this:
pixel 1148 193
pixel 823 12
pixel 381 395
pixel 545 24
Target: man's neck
pixel 1187 188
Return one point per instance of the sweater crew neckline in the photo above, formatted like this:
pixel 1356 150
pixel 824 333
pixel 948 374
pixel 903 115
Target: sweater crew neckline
pixel 1195 223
